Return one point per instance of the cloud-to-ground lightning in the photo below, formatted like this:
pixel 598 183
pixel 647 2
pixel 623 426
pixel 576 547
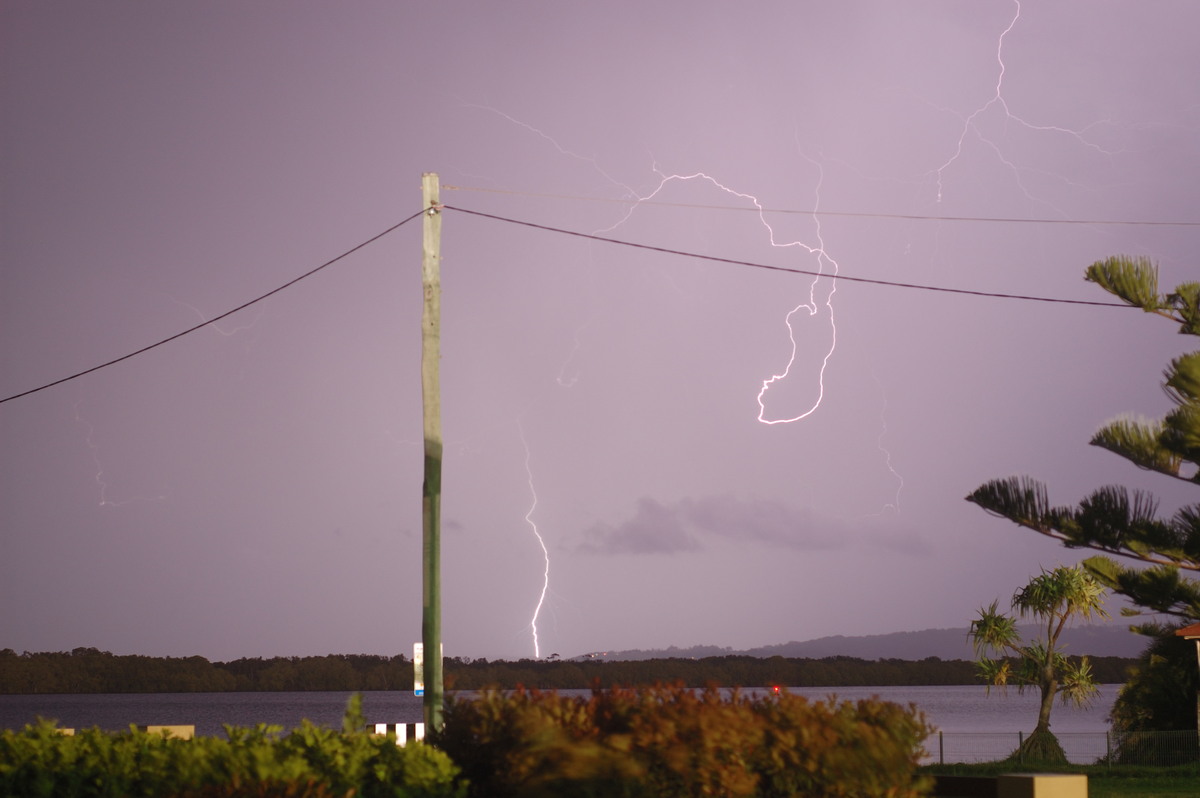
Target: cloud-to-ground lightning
pixel 537 611
pixel 101 480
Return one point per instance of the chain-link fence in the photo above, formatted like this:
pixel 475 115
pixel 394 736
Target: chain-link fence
pixel 1081 748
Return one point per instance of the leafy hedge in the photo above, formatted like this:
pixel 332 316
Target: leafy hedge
pixel 310 762
pixel 657 742
pixel 668 741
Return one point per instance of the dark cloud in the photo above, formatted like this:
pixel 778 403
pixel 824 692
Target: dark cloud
pixel 656 528
pixel 764 520
pixel 653 529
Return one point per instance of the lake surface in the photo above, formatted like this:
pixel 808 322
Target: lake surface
pixel 975 726
pixel 959 708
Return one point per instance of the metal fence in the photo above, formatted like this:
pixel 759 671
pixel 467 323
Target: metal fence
pixel 1082 748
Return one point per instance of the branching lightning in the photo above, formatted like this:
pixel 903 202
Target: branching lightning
pixel 217 327
pixel 997 99
pixel 814 304
pixel 541 542
pixel 819 301
pixel 589 159
pixel 826 265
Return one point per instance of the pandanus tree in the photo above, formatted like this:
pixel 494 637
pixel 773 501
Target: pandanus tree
pixel 1053 599
pixel 1114 519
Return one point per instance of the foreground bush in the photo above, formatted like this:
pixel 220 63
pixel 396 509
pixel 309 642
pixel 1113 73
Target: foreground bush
pixel 310 762
pixel 662 742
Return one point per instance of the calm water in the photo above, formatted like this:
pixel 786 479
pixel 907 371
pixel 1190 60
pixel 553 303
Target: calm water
pixel 954 710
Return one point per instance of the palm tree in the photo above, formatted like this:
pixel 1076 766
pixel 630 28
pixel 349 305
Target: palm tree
pixel 1054 598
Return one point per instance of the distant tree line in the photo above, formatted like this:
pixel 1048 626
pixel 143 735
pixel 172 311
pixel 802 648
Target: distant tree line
pixel 733 671
pixel 88 670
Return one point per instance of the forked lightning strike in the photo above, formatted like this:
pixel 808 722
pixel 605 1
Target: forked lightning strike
pixel 541 542
pixel 998 99
pixel 813 305
pixel 101 481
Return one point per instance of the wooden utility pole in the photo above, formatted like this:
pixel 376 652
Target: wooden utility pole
pixel 431 490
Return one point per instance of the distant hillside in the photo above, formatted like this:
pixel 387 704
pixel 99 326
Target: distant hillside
pixel 1098 641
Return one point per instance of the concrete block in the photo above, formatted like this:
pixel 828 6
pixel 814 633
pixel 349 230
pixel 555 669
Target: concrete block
pixel 179 732
pixel 1041 785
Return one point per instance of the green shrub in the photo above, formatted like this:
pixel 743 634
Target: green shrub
pixel 531 743
pixel 310 762
pixel 668 741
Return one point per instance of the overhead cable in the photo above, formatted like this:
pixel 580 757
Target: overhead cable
pixel 818 212
pixel 215 319
pixel 789 270
pixel 607 240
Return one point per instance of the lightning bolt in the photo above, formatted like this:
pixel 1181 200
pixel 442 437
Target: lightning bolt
pixel 217 327
pixel 819 299
pixel 887 455
pixel 563 379
pixel 813 306
pixel 997 99
pixel 541 542
pixel 826 266
pixel 101 481
pixel 588 159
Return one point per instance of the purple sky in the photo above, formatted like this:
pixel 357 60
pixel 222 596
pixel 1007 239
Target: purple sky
pixel 253 489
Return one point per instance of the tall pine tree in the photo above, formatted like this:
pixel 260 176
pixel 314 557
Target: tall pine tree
pixel 1115 519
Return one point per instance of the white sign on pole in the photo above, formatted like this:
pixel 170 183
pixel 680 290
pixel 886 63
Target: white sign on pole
pixel 419 668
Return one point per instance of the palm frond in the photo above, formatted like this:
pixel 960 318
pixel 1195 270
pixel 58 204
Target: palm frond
pixel 994 631
pixel 1182 378
pixel 1185 299
pixel 1022 500
pixel 1076 684
pixel 1104 570
pixel 1132 279
pixel 1187 526
pixel 1181 433
pixel 1158 589
pixel 1138 440
pixel 993 672
pixel 1117 519
pixel 1057 596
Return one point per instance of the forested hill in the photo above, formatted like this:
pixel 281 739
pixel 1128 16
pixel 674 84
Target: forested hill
pixel 1096 640
pixel 87 670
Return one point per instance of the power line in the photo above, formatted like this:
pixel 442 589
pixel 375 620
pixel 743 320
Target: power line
pixel 816 212
pixel 754 265
pixel 619 242
pixel 215 319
